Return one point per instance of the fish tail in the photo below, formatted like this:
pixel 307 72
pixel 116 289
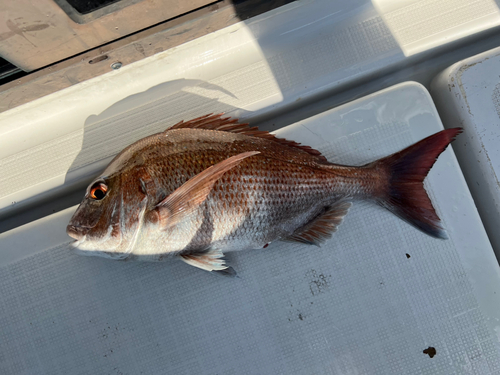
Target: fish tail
pixel 405 195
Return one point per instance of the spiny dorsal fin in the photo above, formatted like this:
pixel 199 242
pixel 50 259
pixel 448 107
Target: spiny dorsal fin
pixel 322 226
pixel 226 124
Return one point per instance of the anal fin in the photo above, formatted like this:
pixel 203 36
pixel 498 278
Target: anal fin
pixel 320 229
pixel 212 260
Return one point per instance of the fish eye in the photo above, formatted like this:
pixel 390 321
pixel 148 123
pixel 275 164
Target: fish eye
pixel 98 191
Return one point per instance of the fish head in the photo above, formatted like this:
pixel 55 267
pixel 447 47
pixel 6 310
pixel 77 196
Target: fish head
pixel 108 219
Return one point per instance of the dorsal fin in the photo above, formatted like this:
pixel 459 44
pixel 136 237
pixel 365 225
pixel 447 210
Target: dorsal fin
pixel 226 124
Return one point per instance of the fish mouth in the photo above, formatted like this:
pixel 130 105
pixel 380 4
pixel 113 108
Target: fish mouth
pixel 82 247
pixel 76 232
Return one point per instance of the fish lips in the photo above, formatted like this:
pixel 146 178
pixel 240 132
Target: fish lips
pixel 76 231
pixel 81 247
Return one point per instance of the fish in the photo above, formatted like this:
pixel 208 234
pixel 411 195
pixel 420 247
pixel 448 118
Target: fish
pixel 212 185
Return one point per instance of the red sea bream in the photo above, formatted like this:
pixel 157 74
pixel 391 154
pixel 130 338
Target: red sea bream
pixel 210 185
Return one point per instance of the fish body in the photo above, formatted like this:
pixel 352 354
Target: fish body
pixel 210 186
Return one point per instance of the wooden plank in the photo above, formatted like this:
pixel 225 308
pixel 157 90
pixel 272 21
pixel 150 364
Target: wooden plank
pixel 130 49
pixel 37 33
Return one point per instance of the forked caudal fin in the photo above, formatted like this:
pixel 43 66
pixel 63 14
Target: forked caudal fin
pixel 406 196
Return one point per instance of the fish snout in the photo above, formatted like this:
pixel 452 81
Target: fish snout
pixel 76 232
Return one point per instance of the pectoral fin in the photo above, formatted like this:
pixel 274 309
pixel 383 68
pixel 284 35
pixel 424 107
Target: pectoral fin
pixel 212 260
pixel 188 197
pixel 322 226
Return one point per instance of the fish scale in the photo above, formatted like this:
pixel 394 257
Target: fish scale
pixel 228 206
pixel 211 185
pixel 277 183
